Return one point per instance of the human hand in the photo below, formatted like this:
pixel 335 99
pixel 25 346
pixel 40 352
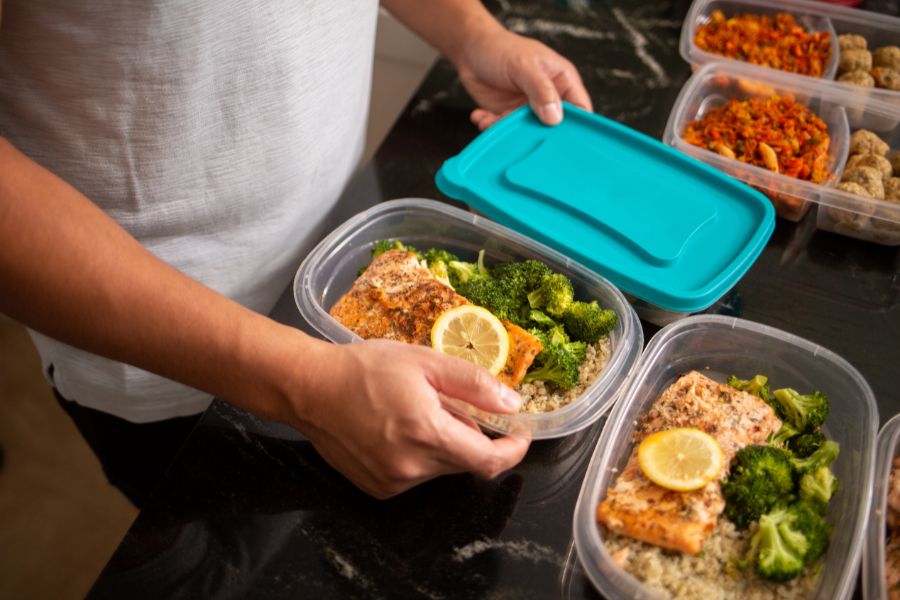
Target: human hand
pixel 502 71
pixel 378 417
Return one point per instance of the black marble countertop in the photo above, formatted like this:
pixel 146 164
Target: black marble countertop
pixel 249 510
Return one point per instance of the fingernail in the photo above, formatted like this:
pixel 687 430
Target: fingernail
pixel 551 113
pixel 510 398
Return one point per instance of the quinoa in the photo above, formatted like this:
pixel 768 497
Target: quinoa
pixel 541 397
pixel 712 574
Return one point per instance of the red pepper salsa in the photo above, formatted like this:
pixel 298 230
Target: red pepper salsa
pixel 775 133
pixel 779 42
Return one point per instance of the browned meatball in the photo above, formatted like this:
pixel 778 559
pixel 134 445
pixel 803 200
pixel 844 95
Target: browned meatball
pixel 876 161
pixel 888 79
pixel 855 60
pixel 858 209
pixel 860 77
pixel 887 56
pixel 867 177
pixel 864 141
pixel 851 41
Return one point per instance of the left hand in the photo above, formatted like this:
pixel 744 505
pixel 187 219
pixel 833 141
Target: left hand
pixel 502 71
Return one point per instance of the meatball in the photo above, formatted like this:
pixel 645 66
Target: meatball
pixel 887 56
pixel 892 189
pixel 889 222
pixel 860 77
pixel 888 79
pixel 876 161
pixel 858 209
pixel 851 41
pixel 868 178
pixel 864 141
pixel 855 60
pixel 895 162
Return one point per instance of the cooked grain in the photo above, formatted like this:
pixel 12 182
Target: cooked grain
pixel 541 397
pixel 711 575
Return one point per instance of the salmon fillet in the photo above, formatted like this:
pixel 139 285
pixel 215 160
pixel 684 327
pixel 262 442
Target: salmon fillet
pixel 396 298
pixel 640 509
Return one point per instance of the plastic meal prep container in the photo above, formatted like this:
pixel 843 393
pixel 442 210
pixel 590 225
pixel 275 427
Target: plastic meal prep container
pixel 844 112
pixel 878 29
pixel 874 553
pixel 332 267
pixel 720 346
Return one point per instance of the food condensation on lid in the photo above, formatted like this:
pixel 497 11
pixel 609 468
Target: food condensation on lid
pixel 658 224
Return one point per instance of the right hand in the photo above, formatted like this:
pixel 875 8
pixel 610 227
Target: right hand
pixel 378 418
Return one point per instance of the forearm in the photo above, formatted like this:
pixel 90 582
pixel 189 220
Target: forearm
pixel 448 25
pixel 71 272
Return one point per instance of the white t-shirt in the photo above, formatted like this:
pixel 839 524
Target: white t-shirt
pixel 219 134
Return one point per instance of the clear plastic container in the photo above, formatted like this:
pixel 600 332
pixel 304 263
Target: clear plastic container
pixel 878 29
pixel 874 555
pixel 332 267
pixel 843 112
pixel 719 346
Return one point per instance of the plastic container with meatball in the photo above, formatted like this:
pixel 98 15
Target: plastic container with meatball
pixel 863 57
pixel 856 185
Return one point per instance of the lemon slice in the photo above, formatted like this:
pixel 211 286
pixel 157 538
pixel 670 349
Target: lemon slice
pixel 473 333
pixel 680 459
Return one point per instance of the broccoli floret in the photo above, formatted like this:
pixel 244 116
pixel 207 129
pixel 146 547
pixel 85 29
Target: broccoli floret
pixel 433 255
pixel 490 293
pixel 760 478
pixel 804 445
pixel 806 412
pixel 438 262
pixel 811 523
pixel 382 246
pixel 461 271
pixel 818 486
pixel 542 319
pixel 558 364
pixel 554 294
pixel 587 321
pixel 758 386
pixel 789 539
pixel 439 270
pixel 781 437
pixel 775 558
pixel 824 456
pixel 532 271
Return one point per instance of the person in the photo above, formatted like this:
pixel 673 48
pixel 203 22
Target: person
pixel 163 165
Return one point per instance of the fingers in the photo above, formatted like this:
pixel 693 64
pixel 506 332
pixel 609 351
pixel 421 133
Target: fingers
pixel 474 452
pixel 465 381
pixel 483 118
pixel 572 89
pixel 540 89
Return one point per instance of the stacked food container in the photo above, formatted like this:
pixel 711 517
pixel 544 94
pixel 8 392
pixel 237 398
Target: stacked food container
pixel 842 93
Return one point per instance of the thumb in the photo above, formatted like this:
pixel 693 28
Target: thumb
pixel 542 95
pixel 460 379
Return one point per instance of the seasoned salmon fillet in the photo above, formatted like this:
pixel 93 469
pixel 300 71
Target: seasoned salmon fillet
pixel 397 298
pixel 640 509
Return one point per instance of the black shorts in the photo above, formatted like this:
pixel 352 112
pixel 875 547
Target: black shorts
pixel 134 456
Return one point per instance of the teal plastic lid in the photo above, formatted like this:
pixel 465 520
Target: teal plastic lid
pixel 657 223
